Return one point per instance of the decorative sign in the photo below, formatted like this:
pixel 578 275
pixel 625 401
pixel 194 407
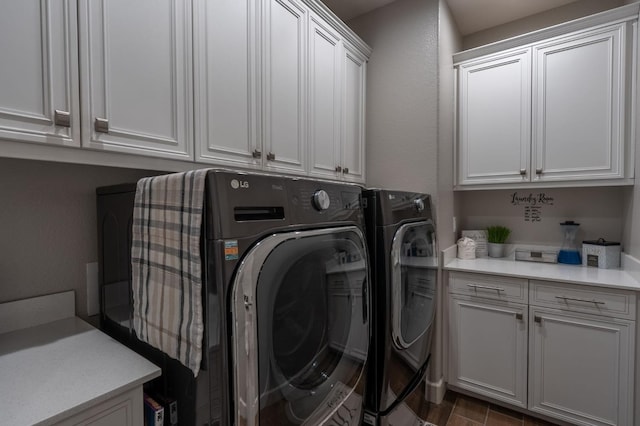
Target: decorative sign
pixel 480 237
pixel 531 199
pixel 533 213
pixel 532 204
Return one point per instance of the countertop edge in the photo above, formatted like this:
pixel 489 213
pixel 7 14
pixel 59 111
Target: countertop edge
pixel 621 279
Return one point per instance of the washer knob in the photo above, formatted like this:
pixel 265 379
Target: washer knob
pixel 321 200
pixel 419 204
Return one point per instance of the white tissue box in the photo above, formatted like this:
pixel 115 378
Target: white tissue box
pixel 601 254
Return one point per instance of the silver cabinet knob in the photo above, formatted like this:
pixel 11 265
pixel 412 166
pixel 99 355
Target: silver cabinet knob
pixel 271 156
pixel 62 118
pixel 523 172
pixel 338 169
pixel 345 170
pixel 538 171
pixel 101 125
pixel 256 153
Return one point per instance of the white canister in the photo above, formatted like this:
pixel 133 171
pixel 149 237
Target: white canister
pixel 466 248
pixel 601 254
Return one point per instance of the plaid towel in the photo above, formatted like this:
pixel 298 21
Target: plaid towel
pixel 166 264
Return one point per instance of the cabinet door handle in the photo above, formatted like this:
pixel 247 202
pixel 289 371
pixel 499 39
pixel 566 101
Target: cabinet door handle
pixel 62 118
pixel 338 169
pixel 539 171
pixel 256 153
pixel 523 172
pixel 485 287
pixel 537 319
pixel 566 299
pixel 519 316
pixel 271 156
pixel 101 125
pixel 345 170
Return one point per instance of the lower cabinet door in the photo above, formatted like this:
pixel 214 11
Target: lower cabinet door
pixel 488 348
pixel 580 370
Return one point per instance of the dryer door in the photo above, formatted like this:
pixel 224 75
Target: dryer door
pixel 301 330
pixel 414 267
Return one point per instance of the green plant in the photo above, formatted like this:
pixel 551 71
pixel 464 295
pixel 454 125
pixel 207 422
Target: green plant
pixel 498 234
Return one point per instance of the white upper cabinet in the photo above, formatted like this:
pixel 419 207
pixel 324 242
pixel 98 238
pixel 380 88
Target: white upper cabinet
pixel 495 119
pixel 38 84
pixel 552 108
pixel 325 47
pixel 275 85
pixel 284 74
pixel 354 87
pixel 578 106
pixel 136 76
pixel 226 83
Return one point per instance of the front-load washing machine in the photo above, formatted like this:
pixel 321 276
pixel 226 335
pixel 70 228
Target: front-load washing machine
pixel 285 301
pixel 402 246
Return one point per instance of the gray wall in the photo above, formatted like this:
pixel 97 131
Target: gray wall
pixel 449 43
pixel 598 210
pixel 402 95
pixel 49 232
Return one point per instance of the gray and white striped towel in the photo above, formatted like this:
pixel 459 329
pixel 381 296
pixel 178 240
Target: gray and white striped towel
pixel 166 264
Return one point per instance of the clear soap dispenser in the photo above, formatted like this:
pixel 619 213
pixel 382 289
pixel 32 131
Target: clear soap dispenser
pixel 569 253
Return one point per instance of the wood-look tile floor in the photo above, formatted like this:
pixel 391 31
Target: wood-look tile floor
pixel 462 410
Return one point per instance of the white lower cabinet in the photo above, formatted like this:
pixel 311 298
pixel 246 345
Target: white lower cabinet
pixel 489 348
pixel 566 351
pixel 123 410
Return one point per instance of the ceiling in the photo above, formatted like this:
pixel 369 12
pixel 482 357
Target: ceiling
pixel 470 15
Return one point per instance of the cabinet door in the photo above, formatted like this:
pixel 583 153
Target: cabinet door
pixel 226 82
pixel 354 85
pixel 39 80
pixel 580 368
pixel 285 85
pixel 494 133
pixel 136 71
pixel 324 100
pixel 488 348
pixel 578 106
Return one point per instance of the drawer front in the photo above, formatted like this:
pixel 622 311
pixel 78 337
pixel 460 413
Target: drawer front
pixel 585 299
pixel 492 287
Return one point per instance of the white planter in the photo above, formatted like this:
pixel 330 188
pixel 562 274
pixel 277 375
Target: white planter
pixel 496 250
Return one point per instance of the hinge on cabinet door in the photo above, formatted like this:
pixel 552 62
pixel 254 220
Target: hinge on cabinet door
pixel 62 118
pixel 101 125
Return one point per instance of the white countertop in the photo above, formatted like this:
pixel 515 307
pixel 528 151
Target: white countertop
pixel 53 371
pixel 577 274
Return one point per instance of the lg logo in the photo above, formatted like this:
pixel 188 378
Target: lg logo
pixel 235 184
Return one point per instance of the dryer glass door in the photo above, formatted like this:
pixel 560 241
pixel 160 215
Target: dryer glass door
pixel 414 266
pixel 301 303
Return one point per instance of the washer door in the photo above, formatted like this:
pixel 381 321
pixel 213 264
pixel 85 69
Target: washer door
pixel 301 327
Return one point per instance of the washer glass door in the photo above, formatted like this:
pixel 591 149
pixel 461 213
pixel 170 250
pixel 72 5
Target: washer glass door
pixel 414 266
pixel 301 300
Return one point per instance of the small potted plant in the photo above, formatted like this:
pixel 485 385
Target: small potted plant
pixel 496 237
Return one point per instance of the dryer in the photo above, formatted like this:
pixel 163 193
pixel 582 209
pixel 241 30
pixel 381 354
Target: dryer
pixel 402 246
pixel 286 301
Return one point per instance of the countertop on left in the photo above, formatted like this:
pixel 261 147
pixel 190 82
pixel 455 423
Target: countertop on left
pixel 52 371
